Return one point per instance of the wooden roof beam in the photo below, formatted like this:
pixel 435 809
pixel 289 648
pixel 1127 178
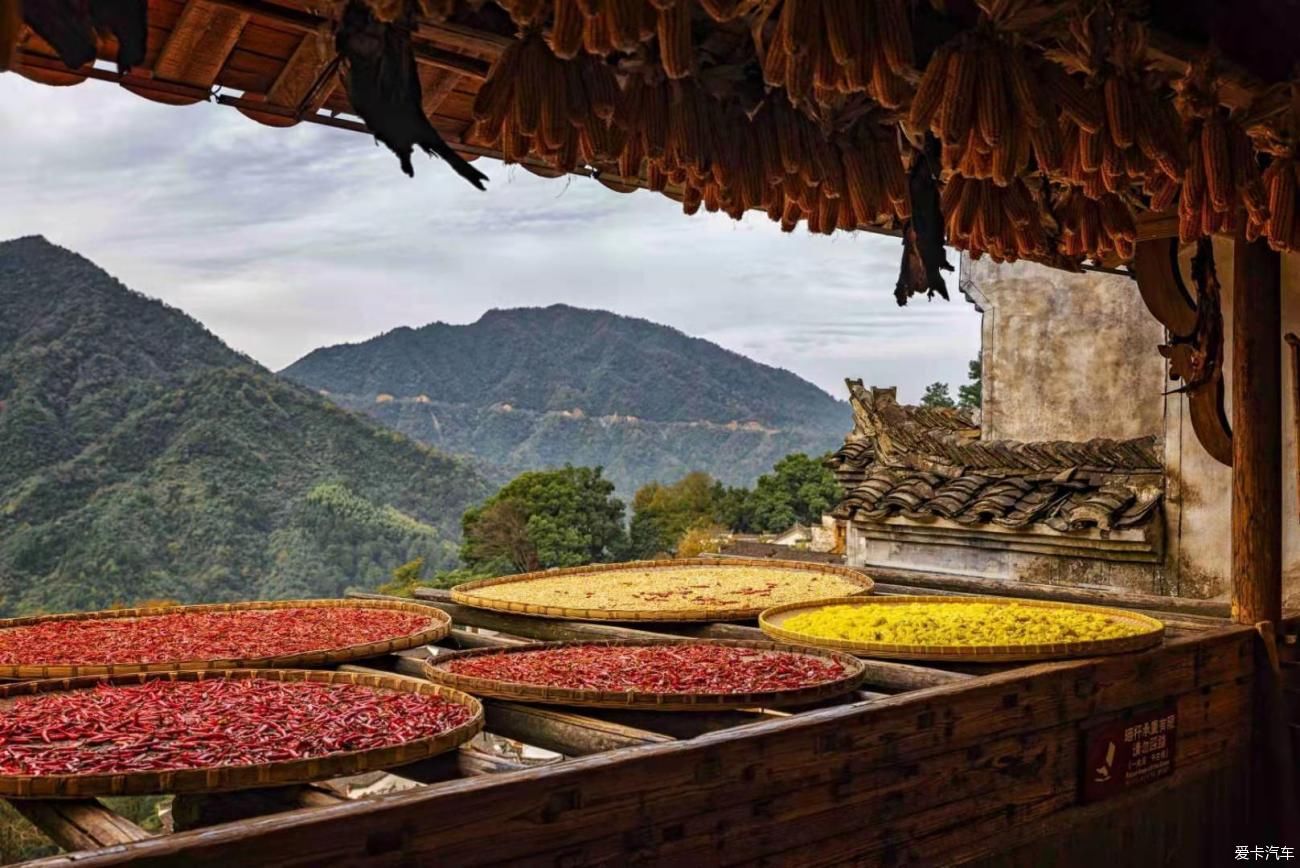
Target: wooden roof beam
pixel 449 34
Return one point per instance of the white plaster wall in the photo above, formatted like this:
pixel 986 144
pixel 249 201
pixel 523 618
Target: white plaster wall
pixel 1065 356
pixel 1003 564
pixel 1200 488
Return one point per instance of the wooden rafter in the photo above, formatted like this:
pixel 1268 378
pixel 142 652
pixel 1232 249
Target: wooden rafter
pixel 200 43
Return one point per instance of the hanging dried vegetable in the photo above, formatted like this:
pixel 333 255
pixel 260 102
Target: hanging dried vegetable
pixel 11 26
pixel 924 259
pixel 70 27
pixel 384 88
pixel 1222 173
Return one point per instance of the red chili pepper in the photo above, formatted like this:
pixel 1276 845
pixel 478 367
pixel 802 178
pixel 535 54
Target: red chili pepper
pixel 239 635
pixel 166 725
pixel 684 668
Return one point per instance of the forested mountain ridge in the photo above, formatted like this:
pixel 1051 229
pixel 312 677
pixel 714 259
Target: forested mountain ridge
pixel 142 458
pixel 79 351
pixel 530 388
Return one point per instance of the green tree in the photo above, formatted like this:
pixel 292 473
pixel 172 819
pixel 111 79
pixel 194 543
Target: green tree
pixel 661 513
pixel 733 508
pixel 971 395
pixel 405 579
pixel 799 489
pixel 937 395
pixel 543 519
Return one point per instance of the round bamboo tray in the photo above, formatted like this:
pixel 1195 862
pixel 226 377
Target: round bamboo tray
pixel 772 623
pixel 440 625
pixel 853 672
pixel 469 593
pixel 239 777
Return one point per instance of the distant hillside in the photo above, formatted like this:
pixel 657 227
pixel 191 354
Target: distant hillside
pixel 142 458
pixel 538 387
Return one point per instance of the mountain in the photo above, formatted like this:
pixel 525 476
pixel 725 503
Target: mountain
pixel 539 387
pixel 142 458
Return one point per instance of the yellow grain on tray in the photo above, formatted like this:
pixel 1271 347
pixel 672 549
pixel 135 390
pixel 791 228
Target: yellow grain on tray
pixel 667 589
pixel 965 624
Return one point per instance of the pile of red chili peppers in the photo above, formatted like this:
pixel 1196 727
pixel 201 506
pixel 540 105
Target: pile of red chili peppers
pixel 243 634
pixel 684 668
pixel 166 725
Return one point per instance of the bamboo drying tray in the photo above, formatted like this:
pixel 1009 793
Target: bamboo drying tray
pixel 439 627
pixel 469 593
pixel 239 777
pixel 853 672
pixel 772 622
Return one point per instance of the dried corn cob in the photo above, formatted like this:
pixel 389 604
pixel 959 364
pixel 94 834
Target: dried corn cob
pixel 674 29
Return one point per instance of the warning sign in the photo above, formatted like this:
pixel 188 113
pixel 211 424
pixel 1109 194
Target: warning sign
pixel 1128 752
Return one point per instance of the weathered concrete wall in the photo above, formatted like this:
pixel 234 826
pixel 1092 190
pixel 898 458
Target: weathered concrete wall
pixel 1065 356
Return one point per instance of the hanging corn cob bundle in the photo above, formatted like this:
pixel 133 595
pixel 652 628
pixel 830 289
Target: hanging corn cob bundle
pixel 983 98
pixel 1094 228
pixel 817 48
pixel 1274 126
pixel 1222 173
pixel 984 217
pixel 1117 131
pixel 875 182
pixel 391 10
pixel 535 104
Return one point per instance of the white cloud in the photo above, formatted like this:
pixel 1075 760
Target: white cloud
pixel 281 241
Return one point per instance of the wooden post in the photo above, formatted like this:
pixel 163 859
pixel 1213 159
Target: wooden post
pixel 1256 433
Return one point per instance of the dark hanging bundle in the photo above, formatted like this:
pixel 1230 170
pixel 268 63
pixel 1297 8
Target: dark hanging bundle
pixel 384 88
pixel 70 25
pixel 923 254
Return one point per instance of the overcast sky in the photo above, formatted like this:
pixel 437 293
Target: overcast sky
pixel 281 241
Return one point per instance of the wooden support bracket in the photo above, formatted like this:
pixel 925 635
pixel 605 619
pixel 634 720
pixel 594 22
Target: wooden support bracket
pixel 1195 351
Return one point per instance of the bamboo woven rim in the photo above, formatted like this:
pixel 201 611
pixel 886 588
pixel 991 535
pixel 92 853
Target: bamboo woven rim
pixel 213 779
pixel 854 670
pixel 466 596
pixel 771 621
pixel 439 628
